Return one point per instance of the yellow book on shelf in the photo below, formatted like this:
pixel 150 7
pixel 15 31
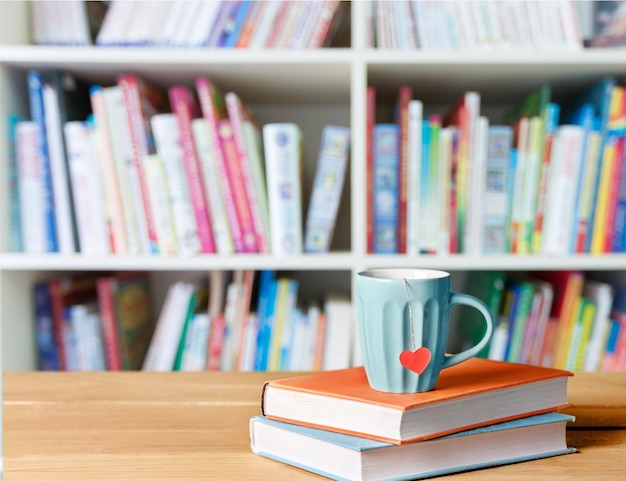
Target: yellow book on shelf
pixel 282 291
pixel 602 203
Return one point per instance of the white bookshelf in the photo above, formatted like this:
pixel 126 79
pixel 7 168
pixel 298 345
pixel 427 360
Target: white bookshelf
pixel 311 88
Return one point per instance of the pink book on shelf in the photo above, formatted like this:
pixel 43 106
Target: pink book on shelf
pixel 142 101
pixel 237 114
pixel 182 104
pixel 213 107
pixel 278 25
pixel 237 185
pixel 216 341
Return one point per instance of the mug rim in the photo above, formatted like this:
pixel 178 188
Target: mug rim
pixel 399 273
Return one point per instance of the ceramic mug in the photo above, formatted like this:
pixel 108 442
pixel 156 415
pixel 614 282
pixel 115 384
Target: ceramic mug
pixel 403 319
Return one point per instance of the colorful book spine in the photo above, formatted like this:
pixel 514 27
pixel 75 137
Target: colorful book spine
pixel 109 169
pixel 552 113
pixel 110 329
pixel 213 108
pixel 237 115
pixel 265 310
pixel 221 229
pixel 238 186
pixel 498 161
pixel 182 105
pixel 35 92
pixel 30 188
pixel 416 110
pixel 160 204
pixel 369 168
pixel 327 188
pixel 136 95
pixel 385 173
pixel 15 229
pixel 167 140
pixel 47 358
pixel 283 162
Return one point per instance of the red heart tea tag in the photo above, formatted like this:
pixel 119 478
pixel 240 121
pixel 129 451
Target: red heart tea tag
pixel 415 361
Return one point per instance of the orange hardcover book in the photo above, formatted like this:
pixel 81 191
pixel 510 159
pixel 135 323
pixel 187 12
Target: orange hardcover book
pixel 478 392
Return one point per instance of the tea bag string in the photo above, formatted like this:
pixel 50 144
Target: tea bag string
pixel 406 288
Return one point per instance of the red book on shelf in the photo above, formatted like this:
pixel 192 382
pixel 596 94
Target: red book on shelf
pixel 67 291
pixel 405 94
pixel 343 401
pixel 142 101
pixel 182 104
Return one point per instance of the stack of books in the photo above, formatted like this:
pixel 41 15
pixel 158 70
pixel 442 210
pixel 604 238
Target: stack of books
pixel 482 413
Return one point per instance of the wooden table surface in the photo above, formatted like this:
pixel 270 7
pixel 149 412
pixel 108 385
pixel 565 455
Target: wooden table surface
pixel 194 426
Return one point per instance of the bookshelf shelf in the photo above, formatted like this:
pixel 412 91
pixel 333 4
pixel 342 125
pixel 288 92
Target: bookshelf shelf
pixel 312 88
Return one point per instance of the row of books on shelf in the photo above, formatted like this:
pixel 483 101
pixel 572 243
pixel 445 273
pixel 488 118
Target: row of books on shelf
pixel 242 320
pixel 132 169
pixel 334 424
pixel 476 25
pixel 548 179
pixel 189 23
pixel 487 25
pixel 560 319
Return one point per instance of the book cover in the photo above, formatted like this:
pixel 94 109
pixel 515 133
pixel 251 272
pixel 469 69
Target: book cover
pixel 167 141
pixel 87 187
pixel 65 99
pixel 327 187
pixel 37 114
pixel 500 143
pixel 183 106
pixel 213 107
pixel 213 187
pixel 113 198
pixel 127 171
pixel 414 141
pixel 142 101
pixel 342 400
pixel 30 188
pixel 344 457
pixel 66 291
pixel 238 114
pixel 568 286
pixel 129 299
pixel 601 293
pixel 47 356
pixel 405 95
pixel 283 166
pixel 156 178
pixel 237 183
pixel 385 177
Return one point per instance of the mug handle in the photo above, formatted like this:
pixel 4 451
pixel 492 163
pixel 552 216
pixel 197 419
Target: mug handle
pixel 466 299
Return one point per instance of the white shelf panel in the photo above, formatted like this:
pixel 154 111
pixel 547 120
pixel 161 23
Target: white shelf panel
pixel 511 262
pixel 54 262
pixel 286 76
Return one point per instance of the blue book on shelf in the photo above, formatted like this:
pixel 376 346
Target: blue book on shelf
pixel 15 228
pixel 47 354
pixel 265 313
pixel 345 457
pixel 386 178
pixel 239 19
pixel 35 93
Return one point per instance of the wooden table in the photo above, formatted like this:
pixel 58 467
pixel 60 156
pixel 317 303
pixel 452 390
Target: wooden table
pixel 194 426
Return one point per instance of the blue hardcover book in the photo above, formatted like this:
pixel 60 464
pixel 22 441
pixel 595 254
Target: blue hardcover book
pixel 47 355
pixel 619 229
pixel 265 313
pixel 386 178
pixel 35 93
pixel 344 457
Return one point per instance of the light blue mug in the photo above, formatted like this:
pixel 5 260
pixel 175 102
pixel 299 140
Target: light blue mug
pixel 403 320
